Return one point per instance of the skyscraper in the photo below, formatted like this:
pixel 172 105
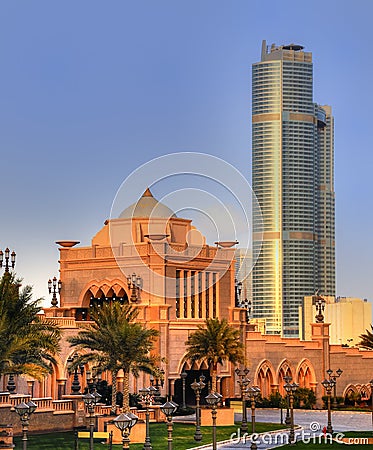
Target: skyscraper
pixel 293 178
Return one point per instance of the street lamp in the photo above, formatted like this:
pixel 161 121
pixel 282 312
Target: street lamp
pixel 90 401
pixel 290 389
pixel 169 408
pixel 75 385
pixel 183 378
pixel 371 397
pixel 237 292
pixel 8 255
pixel 334 376
pixel 125 422
pixel 147 397
pixel 287 380
pixel 197 387
pixel 253 393
pixel 320 307
pixel 134 283
pixel 25 410
pixel 243 382
pixel 213 399
pixel 54 287
pixel 328 386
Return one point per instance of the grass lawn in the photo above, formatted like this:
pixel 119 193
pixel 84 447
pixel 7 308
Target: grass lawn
pixel 182 438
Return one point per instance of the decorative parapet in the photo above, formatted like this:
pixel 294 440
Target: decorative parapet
pixel 5 399
pixel 43 403
pixel 62 322
pixel 62 406
pixel 15 399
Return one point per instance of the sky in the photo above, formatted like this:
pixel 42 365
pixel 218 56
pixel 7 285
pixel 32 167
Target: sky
pixel 91 90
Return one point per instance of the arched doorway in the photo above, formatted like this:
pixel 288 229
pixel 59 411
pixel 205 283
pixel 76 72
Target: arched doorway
pixel 306 375
pixel 265 378
pixel 284 371
pixel 192 374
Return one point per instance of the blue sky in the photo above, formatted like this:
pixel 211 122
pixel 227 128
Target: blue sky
pixel 90 90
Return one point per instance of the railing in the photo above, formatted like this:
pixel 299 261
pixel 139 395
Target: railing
pixel 4 398
pixel 62 405
pixel 15 399
pixel 141 414
pixel 62 322
pixel 43 403
pixel 12 400
pixel 103 410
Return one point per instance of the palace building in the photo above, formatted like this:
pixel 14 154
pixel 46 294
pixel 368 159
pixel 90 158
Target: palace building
pixel 160 263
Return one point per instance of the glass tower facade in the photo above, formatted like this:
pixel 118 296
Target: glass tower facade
pixel 292 177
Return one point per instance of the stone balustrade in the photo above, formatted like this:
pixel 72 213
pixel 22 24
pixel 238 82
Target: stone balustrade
pixel 62 406
pixel 15 399
pixel 43 403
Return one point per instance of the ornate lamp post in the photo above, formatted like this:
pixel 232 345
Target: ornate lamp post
pixel 25 410
pixel 183 378
pixel 75 385
pixel 134 283
pixel 253 393
pixel 371 397
pixel 287 380
pixel 334 376
pixel 320 306
pixel 237 291
pixel 213 399
pixel 328 386
pixel 147 397
pixel 8 256
pixel 197 388
pixel 290 389
pixel 90 401
pixel 243 382
pixel 125 422
pixel 169 408
pixel 54 287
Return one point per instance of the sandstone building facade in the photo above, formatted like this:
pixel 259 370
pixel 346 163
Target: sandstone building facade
pixel 162 264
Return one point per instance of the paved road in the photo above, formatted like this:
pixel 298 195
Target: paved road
pixel 310 425
pixel 341 420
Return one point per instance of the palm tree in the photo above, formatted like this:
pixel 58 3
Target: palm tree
pixel 28 342
pixel 215 343
pixel 367 339
pixel 117 342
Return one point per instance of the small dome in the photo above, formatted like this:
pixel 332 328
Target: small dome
pixel 147 206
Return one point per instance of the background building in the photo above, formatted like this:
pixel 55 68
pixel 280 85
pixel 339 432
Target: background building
pixel 292 177
pixel 349 317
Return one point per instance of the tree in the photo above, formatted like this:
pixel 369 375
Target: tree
pixel 28 342
pixel 215 342
pixel 114 342
pixel 367 339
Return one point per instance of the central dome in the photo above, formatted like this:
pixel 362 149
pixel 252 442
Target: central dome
pixel 147 206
